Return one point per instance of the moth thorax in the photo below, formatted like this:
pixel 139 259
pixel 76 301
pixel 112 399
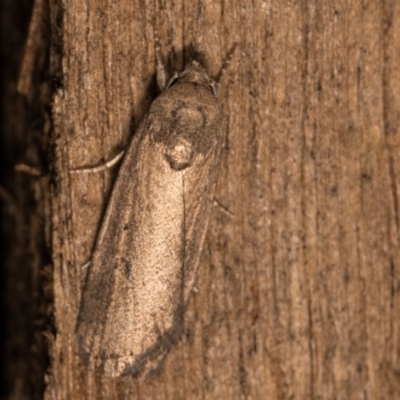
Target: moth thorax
pixel 179 155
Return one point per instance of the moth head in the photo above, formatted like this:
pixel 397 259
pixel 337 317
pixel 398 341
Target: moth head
pixel 196 74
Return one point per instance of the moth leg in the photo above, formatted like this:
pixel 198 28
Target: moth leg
pixel 99 168
pixel 223 208
pixel 86 265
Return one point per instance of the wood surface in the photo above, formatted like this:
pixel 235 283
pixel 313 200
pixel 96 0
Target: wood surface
pixel 298 290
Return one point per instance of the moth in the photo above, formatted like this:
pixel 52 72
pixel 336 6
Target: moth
pixel 146 255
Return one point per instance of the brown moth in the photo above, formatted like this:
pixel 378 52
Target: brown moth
pixel 146 255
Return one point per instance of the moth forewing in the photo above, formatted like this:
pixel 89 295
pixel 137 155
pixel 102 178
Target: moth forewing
pixel 146 255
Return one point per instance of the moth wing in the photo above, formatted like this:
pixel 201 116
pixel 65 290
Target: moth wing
pixel 199 187
pixel 132 299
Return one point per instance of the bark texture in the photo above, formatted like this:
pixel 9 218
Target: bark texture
pixel 298 291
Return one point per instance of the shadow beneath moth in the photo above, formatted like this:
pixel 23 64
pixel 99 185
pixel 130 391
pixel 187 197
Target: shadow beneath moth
pixel 146 255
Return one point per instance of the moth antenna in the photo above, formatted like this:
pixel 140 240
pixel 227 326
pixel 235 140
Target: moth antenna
pixel 161 73
pixel 226 64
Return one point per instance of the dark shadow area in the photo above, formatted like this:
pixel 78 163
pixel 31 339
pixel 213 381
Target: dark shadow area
pixel 22 250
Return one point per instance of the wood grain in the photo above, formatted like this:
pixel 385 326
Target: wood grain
pixel 298 290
